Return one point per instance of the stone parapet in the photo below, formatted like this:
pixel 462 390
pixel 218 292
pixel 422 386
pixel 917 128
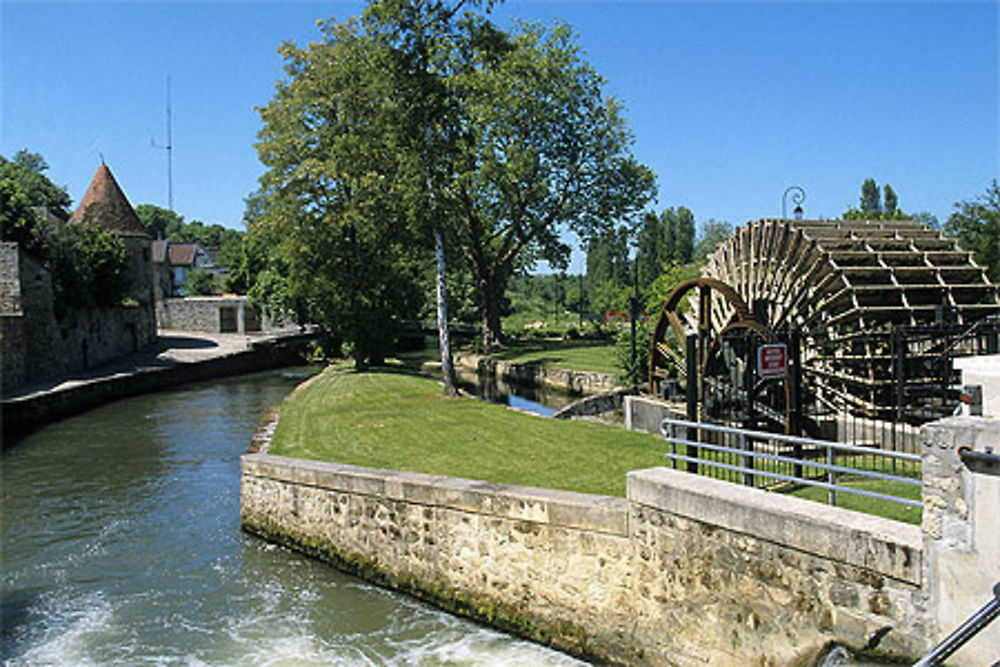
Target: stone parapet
pixel 961 529
pixel 684 571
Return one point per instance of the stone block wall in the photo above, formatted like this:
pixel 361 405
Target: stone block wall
pixel 961 524
pixel 684 571
pixel 643 413
pixel 214 314
pixel 570 381
pixel 35 345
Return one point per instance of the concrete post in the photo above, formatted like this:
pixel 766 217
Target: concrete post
pixel 241 317
pixel 961 531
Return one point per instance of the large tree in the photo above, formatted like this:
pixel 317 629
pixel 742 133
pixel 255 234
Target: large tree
pixel 543 151
pixel 424 41
pixel 330 208
pixel 976 225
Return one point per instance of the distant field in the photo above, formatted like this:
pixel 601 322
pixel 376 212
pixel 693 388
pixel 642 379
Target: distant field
pixel 577 355
pixel 594 356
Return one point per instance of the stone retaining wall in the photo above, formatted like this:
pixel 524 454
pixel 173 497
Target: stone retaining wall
pixel 570 381
pixel 35 345
pixel 685 570
pixel 26 412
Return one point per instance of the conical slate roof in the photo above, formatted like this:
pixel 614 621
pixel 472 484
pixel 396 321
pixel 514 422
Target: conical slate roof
pixel 105 205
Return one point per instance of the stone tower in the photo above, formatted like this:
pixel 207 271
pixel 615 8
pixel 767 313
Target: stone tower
pixel 106 206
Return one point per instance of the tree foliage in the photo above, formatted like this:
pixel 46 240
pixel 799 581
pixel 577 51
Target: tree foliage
pixel 329 211
pixel 416 119
pixel 541 150
pixel 976 225
pixel 873 206
pixel 713 234
pixel 87 265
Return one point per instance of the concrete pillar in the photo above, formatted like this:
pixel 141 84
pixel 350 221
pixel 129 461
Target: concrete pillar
pixel 961 531
pixel 241 317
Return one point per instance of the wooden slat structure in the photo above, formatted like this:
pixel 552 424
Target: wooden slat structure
pixel 848 283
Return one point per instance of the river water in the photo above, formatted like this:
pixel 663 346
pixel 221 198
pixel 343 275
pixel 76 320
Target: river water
pixel 121 545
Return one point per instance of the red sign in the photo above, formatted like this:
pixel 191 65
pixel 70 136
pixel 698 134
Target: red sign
pixel 772 360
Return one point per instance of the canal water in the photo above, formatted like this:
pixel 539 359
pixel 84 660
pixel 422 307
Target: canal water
pixel 121 544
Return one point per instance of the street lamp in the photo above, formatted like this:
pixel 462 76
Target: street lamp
pixel 633 312
pixel 798 196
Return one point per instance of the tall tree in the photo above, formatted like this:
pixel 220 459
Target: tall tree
pixel 713 233
pixel 684 236
pixel 423 38
pixel 871 199
pixel 650 247
pixel 330 208
pixel 976 225
pixel 891 203
pixel 543 150
pixel 872 205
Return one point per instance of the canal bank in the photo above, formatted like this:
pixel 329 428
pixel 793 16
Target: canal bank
pixel 121 546
pixel 635 579
pixel 177 358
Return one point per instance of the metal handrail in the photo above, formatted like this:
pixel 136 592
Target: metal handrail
pixel 669 426
pixel 964 632
pixel 791 439
pixel 796 461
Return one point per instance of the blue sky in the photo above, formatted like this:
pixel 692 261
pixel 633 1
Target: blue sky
pixel 730 102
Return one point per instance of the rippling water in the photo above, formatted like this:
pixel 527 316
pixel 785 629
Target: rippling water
pixel 121 544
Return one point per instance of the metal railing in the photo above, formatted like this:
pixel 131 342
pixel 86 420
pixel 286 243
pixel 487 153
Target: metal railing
pixel 770 460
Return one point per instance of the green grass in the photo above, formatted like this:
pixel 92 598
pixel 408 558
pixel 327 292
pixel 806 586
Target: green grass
pixel 401 422
pixel 594 356
pixel 884 508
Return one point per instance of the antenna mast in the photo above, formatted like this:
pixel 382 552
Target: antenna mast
pixel 170 154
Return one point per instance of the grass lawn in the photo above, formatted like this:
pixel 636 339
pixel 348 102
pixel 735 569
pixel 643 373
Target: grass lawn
pixel 402 422
pixel 399 421
pixel 578 355
pixel 868 505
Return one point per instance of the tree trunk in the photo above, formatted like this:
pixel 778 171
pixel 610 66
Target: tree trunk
pixel 489 313
pixel 444 341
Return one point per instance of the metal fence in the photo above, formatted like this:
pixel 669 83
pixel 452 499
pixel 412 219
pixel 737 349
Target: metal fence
pixel 789 463
pixel 866 388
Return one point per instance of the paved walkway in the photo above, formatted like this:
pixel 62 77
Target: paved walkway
pixel 172 348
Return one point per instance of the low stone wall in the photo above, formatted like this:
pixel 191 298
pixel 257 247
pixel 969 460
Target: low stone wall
pixel 570 381
pixel 26 412
pixel 595 404
pixel 212 314
pixel 684 571
pixel 643 413
pixel 35 345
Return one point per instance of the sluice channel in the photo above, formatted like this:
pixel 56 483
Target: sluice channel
pixel 121 545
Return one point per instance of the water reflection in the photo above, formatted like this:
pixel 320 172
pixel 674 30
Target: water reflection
pixel 528 397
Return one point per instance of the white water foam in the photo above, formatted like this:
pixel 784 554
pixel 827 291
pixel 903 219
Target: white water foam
pixel 72 624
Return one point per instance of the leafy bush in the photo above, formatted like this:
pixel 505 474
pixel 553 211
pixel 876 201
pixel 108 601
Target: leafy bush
pixel 623 351
pixel 200 282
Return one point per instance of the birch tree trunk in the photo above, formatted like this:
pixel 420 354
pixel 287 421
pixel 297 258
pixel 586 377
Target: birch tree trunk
pixel 447 364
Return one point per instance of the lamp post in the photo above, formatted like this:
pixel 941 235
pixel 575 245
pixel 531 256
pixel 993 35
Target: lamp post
pixel 633 313
pixel 798 196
